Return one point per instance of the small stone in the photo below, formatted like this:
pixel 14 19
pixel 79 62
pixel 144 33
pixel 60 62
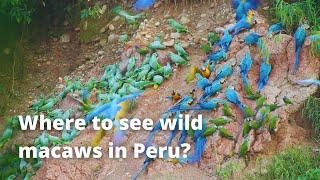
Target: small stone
pixel 111 27
pixel 103 9
pixel 65 38
pixel 219 30
pixel 203 15
pixel 185 44
pixel 184 20
pixel 212 5
pixel 102 30
pixel 48 62
pixel 116 18
pixel 77 29
pixel 175 35
pixel 198 25
pixel 157 24
pixel 113 38
pixel 266 8
pixel 197 39
pixel 100 53
pixel 169 43
pixel 148 36
pixel 103 42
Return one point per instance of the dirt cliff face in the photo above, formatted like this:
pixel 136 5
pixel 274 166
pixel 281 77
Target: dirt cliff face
pixel 217 148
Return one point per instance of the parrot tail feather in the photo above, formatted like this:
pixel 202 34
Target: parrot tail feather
pixel 141 170
pixel 296 63
pixel 97 138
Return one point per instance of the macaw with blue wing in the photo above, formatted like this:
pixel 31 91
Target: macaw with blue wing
pixel 252 38
pixel 225 40
pixel 299 36
pixel 243 6
pixel 233 97
pixel 245 66
pixel 225 70
pixel 217 56
pixel 311 81
pixel 265 70
pixel 275 29
pixel 157 127
pixel 210 105
pixel 202 81
pixel 246 22
pixel 143 4
pixel 214 88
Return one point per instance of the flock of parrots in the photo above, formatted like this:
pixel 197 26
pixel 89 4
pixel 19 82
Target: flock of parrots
pixel 114 90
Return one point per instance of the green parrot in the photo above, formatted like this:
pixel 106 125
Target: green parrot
pixel 256 124
pixel 177 59
pixel 206 48
pixel 178 27
pixel 209 131
pixel 78 84
pixel 142 51
pixel 224 133
pixel 154 63
pixel 28 176
pixel 6 135
pixel 49 104
pixel 66 114
pixel 144 72
pixel 177 47
pixel 287 101
pixel 146 60
pixel 132 90
pixel 151 74
pixel 248 111
pixel 156 44
pixel 219 121
pixel 273 122
pixel 167 70
pixel 123 90
pixel 244 148
pixel 115 84
pixel 123 38
pixel 212 38
pixel 227 111
pixel 157 79
pixel 138 84
pixel 38 103
pixel 55 140
pixel 246 127
pixel 272 107
pixel 260 102
pixel 131 63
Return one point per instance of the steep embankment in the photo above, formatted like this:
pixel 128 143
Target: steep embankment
pixel 202 20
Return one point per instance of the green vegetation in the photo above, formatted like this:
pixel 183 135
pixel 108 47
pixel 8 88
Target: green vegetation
pixel 311 111
pixel 20 10
pixel 294 13
pixel 227 170
pixel 294 163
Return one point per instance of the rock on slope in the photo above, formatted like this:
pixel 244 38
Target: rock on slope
pixel 217 148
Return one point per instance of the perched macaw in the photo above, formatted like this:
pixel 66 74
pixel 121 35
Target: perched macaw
pixel 220 121
pixel 182 52
pixel 246 22
pixel 210 105
pixel 224 133
pixel 132 19
pixel 174 132
pixel 275 29
pixel 143 4
pixel 252 38
pixel 243 6
pixel 205 72
pixel 211 67
pixel 273 122
pixel 217 56
pixel 225 70
pixel 234 98
pixel 299 36
pixel 178 27
pixel 176 58
pixel 175 96
pixel 180 107
pixel 244 148
pixel 202 81
pixel 246 63
pixel 200 142
pixel 311 81
pixel 184 101
pixel 145 164
pixel 227 111
pixel 225 40
pixel 265 70
pixel 214 88
pixel 286 100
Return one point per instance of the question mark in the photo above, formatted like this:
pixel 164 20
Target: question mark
pixel 187 148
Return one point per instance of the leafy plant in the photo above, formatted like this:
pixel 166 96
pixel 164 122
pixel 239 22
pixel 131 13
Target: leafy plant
pixel 90 12
pixel 227 170
pixel 311 111
pixel 20 10
pixel 294 163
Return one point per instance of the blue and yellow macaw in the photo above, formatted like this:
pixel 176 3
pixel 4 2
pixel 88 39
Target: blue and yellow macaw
pixel 225 70
pixel 202 81
pixel 233 97
pixel 252 38
pixel 214 88
pixel 175 96
pixel 246 22
pixel 243 6
pixel 299 36
pixel 245 66
pixel 225 40
pixel 143 4
pixel 217 56
pixel 275 29
pixel 174 132
pixel 157 127
pixel 210 105
pixel 265 70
